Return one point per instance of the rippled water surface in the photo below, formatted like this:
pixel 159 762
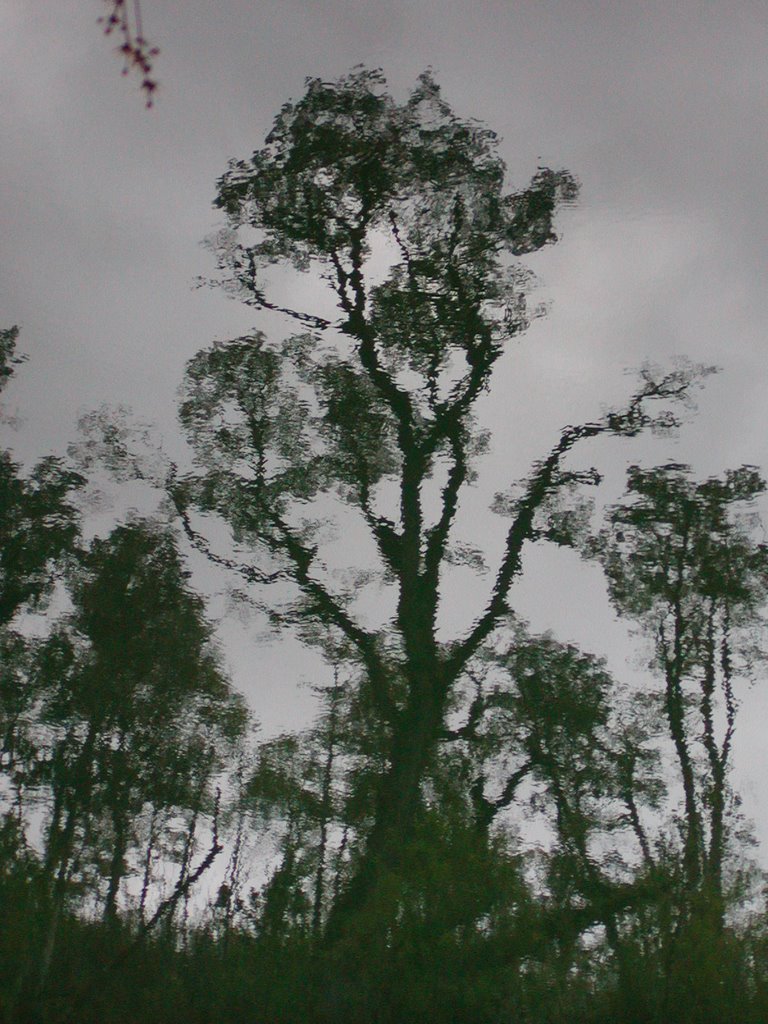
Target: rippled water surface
pixel 403 591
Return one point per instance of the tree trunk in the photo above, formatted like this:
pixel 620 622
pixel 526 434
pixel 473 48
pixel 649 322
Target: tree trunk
pixel 397 805
pixel 116 867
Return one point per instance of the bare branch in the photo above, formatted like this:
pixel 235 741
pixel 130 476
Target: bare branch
pixel 331 610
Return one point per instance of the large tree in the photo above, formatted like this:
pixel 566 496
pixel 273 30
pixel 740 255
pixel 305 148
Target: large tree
pixel 371 411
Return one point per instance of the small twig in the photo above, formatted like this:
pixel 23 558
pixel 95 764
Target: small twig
pixel 137 53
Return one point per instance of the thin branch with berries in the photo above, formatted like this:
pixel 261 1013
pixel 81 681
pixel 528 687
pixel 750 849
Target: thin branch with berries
pixel 138 55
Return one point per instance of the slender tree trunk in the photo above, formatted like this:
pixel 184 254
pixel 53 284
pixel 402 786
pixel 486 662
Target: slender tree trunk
pixel 675 712
pixel 693 838
pixel 147 877
pixel 326 811
pixel 57 898
pixel 717 756
pixel 675 708
pixel 119 789
pixel 116 867
pixel 74 796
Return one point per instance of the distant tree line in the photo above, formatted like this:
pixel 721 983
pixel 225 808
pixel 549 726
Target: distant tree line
pixel 475 828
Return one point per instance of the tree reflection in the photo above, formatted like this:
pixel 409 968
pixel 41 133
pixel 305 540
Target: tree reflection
pixel 476 826
pixel 380 402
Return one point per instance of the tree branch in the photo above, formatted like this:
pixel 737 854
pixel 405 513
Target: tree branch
pixel 437 536
pixel 330 610
pixel 542 482
pixel 673 385
pixel 248 572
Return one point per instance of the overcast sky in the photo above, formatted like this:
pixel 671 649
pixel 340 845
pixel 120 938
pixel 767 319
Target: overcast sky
pixel 659 108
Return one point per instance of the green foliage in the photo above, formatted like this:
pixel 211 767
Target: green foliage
pixel 681 559
pixel 473 828
pixel 38 527
pixel 676 539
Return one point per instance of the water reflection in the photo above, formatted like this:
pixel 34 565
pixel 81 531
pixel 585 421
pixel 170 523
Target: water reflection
pixel 401 878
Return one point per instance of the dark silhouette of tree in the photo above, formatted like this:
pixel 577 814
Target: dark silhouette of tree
pixel 373 409
pixel 681 559
pixel 139 713
pixel 38 524
pixel 116 722
pixel 39 533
